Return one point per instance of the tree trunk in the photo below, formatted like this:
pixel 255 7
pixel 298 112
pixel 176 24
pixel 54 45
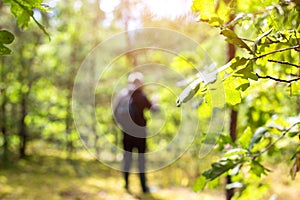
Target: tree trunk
pixel 127 17
pixel 232 132
pixel 233 124
pixel 23 128
pixel 25 79
pixel 233 117
pixel 3 124
pixel 298 98
pixel 69 120
pixel 68 123
pixel 69 117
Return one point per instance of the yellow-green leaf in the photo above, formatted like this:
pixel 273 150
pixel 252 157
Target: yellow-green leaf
pixel 244 140
pixel 233 96
pixel 205 7
pixel 259 133
pixel 234 39
pixel 189 92
pixel 199 184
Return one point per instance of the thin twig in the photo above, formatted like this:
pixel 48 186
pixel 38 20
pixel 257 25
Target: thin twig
pixel 295 33
pixel 277 51
pixel 277 79
pixel 283 62
pixel 273 143
pixel 247 40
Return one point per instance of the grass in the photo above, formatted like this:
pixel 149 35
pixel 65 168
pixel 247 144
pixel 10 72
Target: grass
pixel 54 177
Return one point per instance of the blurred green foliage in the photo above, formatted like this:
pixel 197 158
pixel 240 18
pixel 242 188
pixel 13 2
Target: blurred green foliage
pixel 260 82
pixel 37 81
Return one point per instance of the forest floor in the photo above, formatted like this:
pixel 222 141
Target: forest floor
pixel 53 177
pixel 50 177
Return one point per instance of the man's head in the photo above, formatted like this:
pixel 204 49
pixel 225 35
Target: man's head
pixel 136 79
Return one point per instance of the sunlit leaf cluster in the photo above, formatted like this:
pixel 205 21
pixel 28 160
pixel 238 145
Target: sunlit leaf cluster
pixel 23 11
pixel 262 81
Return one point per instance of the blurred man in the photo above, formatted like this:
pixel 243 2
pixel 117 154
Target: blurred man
pixel 129 113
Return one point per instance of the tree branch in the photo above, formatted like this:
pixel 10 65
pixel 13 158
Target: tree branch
pixel 283 62
pixel 277 79
pixel 277 51
pixel 28 11
pixel 273 143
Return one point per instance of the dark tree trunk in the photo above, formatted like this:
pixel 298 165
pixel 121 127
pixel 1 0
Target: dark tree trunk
pixel 233 124
pixel 233 117
pixel 23 128
pixel 298 97
pixel 26 79
pixel 68 123
pixel 3 124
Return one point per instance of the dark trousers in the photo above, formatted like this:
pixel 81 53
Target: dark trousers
pixel 129 143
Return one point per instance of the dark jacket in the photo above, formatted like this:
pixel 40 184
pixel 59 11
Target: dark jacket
pixel 139 103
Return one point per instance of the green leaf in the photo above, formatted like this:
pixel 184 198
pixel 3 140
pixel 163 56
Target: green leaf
pixel 220 167
pixel 210 79
pixel 238 62
pixel 234 39
pixel 247 72
pixel 293 134
pixel 199 184
pixel 243 87
pixel 258 169
pixel 6 37
pixel 259 38
pixel 233 96
pixel 216 93
pixel 216 21
pixel 239 18
pixel 205 7
pixel 4 50
pixel 214 183
pixel 35 3
pixel 23 10
pixel 236 152
pixel 189 92
pixel 259 133
pixel 223 140
pixel 244 140
pixel 296 166
pixel 295 88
